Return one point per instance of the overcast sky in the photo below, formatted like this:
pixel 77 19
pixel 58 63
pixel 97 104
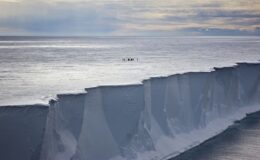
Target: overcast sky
pixel 130 17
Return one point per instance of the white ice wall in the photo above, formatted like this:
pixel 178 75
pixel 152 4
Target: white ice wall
pixel 154 120
pixel 161 117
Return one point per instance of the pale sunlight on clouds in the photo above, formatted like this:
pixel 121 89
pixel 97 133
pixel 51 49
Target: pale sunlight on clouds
pixel 130 17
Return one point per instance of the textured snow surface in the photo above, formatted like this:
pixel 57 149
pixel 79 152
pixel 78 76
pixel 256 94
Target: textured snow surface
pixel 155 120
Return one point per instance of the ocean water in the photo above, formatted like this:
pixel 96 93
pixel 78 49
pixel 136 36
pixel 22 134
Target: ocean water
pixel 240 142
pixel 35 69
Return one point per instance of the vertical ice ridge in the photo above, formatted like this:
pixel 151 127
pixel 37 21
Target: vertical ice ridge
pixel 96 140
pixel 63 126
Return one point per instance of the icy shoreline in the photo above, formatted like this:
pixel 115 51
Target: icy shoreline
pixel 157 119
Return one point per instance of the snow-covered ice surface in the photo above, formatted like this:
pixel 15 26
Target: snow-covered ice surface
pixel 156 119
pixel 34 69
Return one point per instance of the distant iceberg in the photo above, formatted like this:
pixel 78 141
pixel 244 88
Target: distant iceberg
pixel 155 120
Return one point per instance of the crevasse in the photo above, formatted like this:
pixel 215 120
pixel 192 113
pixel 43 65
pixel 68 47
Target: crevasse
pixel 157 119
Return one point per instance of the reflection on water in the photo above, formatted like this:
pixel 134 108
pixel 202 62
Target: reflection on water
pixel 239 142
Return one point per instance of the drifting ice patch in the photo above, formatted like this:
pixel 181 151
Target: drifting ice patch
pixel 157 119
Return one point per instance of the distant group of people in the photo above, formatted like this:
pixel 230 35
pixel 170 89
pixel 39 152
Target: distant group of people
pixel 130 59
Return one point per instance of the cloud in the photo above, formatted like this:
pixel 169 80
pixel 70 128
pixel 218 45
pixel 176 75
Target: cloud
pixel 130 17
pixel 60 18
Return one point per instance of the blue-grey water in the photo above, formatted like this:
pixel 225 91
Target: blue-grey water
pixel 240 142
pixel 35 69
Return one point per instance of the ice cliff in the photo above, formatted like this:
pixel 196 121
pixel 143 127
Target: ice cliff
pixel 156 120
pixel 21 131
